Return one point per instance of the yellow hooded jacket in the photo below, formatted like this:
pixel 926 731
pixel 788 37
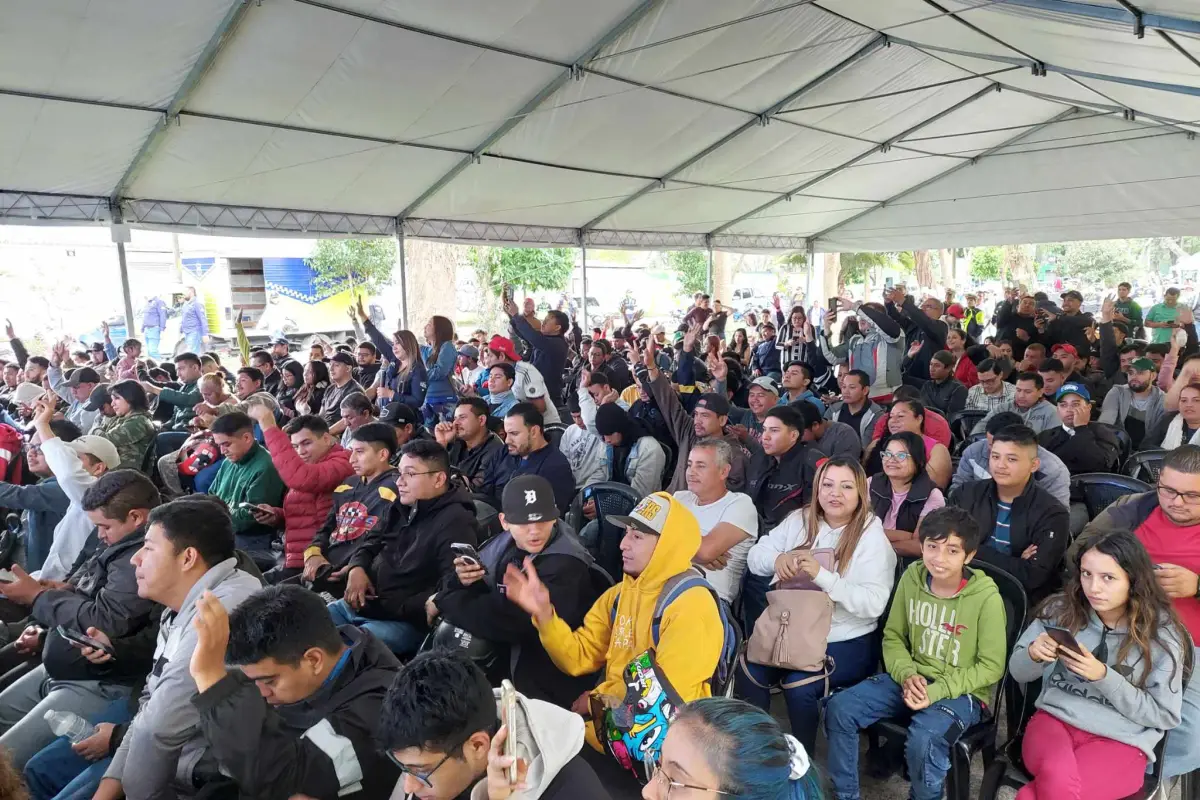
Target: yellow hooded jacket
pixel 690 636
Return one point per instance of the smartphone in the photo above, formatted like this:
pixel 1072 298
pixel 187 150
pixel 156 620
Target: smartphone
pixel 833 305
pixel 507 292
pixel 1064 639
pixel 508 702
pixel 468 553
pixel 81 640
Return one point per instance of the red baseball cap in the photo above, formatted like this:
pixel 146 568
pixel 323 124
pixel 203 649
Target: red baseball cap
pixel 1070 348
pixel 503 345
pixel 956 311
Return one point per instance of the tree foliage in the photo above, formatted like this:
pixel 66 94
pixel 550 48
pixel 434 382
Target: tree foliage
pixel 986 263
pixel 361 263
pixel 854 267
pixel 1103 261
pixel 530 268
pixel 691 267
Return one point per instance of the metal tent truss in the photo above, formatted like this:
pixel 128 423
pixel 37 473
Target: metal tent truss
pixel 34 208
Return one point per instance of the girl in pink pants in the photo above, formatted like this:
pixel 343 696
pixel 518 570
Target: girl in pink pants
pixel 1107 695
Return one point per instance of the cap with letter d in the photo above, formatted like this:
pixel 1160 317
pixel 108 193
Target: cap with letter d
pixel 528 498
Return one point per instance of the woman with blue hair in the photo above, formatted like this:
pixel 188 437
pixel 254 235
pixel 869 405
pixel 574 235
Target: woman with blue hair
pixel 729 748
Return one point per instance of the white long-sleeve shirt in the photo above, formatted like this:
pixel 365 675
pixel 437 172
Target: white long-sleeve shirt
pixel 860 593
pixel 74 528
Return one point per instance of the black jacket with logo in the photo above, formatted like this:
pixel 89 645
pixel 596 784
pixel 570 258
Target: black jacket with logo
pixel 778 486
pixel 359 508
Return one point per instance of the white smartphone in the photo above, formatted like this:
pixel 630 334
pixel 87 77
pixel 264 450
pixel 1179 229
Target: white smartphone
pixel 508 702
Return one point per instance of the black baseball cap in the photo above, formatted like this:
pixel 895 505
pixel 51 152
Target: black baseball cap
pixel 528 498
pixel 83 375
pixel 98 398
pixel 716 403
pixel 344 358
pixel 398 414
pixel 1072 293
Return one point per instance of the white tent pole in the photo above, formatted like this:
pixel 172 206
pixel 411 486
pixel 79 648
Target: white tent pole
pixel 130 326
pixel 403 266
pixel 583 307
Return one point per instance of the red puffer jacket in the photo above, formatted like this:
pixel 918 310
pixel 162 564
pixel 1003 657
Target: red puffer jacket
pixel 310 491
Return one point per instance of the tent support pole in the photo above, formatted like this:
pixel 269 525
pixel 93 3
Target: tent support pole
pixel 583 300
pixel 126 294
pixel 811 253
pixel 403 265
pixel 709 279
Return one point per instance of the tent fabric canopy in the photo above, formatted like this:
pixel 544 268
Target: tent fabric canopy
pixel 837 125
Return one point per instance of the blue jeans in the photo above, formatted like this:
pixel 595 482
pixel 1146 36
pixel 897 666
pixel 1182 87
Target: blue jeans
pixel 194 341
pixel 932 732
pixel 1182 753
pixel 152 334
pixel 37 546
pixel 854 659
pixel 402 638
pixel 57 773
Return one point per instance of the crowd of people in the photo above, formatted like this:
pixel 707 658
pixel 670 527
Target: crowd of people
pixel 550 561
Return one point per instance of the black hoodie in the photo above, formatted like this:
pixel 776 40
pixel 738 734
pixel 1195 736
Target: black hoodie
pixel 407 558
pixel 779 486
pixel 322 746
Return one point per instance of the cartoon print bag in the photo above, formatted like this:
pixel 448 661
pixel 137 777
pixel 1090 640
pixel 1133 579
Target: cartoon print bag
pixel 632 728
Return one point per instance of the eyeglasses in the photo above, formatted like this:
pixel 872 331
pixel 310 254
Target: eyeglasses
pixel 1170 494
pixel 424 779
pixel 409 475
pixel 654 768
pixel 33 449
pixel 890 456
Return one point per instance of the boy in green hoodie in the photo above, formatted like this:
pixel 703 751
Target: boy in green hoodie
pixel 944 648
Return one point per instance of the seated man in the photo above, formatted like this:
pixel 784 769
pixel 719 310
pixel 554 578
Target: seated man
pixel 262 361
pixel 249 381
pixel 468 441
pixel 834 439
pixel 189 551
pixel 974 462
pixel 440 723
pixel 584 449
pixel 943 391
pixel 356 410
pixel 633 455
pixel 300 714
pixel 1029 404
pixel 992 394
pixel 398 565
pixel 940 681
pixel 501 398
pixel 661 539
pixel 1138 405
pixel 247 478
pixel 101 592
pixel 359 505
pixel 797 385
pixel 728 520
pixel 312 466
pixel 1167 522
pixel 1025 530
pixel 474 599
pixel 183 399
pixel 528 453
pixel 858 411
pixel 1083 445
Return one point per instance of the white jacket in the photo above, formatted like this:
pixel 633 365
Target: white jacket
pixel 74 528
pixel 860 593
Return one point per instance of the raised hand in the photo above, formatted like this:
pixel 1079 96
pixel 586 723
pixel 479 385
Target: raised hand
pixel 526 590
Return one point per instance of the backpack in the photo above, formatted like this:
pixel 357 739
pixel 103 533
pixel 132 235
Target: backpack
pixel 675 586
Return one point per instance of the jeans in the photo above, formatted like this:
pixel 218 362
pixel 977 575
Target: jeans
pixel 57 773
pixel 1183 744
pixel 402 638
pixel 1070 764
pixel 194 342
pixel 169 442
pixel 152 334
pixel 932 732
pixel 854 659
pixel 37 543
pixel 754 599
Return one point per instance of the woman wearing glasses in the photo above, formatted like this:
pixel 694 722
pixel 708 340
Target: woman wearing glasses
pixel 722 748
pixel 909 415
pixel 903 493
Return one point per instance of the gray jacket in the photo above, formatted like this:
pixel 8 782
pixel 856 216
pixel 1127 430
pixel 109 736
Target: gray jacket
pixel 867 425
pixel 1053 475
pixel 1113 706
pixel 163 745
pixel 1042 417
pixel 1119 400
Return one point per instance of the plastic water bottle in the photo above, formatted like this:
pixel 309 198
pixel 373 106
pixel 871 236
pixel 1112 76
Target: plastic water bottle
pixel 72 726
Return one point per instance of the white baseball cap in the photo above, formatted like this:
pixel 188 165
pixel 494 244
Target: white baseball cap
pixel 98 447
pixel 649 515
pixel 27 394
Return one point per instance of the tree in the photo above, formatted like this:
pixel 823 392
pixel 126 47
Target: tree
pixel 530 268
pixel 362 263
pixel 691 267
pixel 986 263
pixel 855 267
pixel 1105 262
pixel 924 267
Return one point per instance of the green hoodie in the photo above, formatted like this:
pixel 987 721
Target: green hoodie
pixel 957 643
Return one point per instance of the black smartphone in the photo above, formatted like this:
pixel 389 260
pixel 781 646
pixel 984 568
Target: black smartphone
pixel 1064 639
pixel 467 552
pixel 833 305
pixel 81 640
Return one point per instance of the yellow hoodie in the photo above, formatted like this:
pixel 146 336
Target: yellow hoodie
pixel 690 636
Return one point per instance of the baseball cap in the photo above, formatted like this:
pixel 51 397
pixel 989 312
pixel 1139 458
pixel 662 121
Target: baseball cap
pixel 528 498
pixel 97 347
pixel 469 351
pixel 1069 348
pixel 503 345
pixel 398 414
pixel 657 329
pixel 1072 293
pixel 1122 327
pixel 27 394
pixel 766 382
pixel 344 358
pixel 83 375
pixel 715 403
pixel 281 340
pixel 955 310
pixel 1143 365
pixel 649 515
pixel 98 447
pixel 535 391
pixel 98 398
pixel 1073 388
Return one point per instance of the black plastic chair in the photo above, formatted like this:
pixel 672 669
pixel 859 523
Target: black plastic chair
pixel 1099 490
pixel 487 517
pixel 980 737
pixel 1123 439
pixel 611 498
pixel 1145 465
pixel 962 422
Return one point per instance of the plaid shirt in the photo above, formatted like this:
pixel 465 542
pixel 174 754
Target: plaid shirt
pixel 992 403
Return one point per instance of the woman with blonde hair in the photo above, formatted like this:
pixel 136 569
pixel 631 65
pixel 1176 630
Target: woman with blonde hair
pixel 838 544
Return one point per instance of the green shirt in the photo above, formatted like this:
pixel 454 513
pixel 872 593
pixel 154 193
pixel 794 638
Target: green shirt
pixel 1162 313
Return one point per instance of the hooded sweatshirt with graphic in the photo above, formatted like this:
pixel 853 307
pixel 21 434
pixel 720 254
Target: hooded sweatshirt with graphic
pixel 548 739
pixel 690 637
pixel 957 643
pixel 1113 706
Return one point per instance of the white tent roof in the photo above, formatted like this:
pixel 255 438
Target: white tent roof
pixel 741 124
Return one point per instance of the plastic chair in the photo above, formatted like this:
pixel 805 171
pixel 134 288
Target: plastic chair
pixel 1145 465
pixel 1123 439
pixel 487 518
pixel 611 498
pixel 1099 490
pixel 963 421
pixel 980 737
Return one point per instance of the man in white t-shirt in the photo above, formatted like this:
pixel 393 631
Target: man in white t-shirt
pixel 728 520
